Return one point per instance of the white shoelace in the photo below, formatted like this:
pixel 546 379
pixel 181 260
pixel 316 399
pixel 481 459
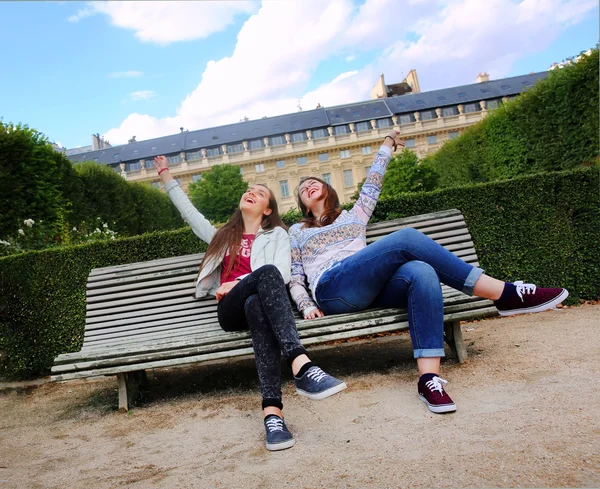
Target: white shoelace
pixel 436 384
pixel 274 424
pixel 316 374
pixel 524 289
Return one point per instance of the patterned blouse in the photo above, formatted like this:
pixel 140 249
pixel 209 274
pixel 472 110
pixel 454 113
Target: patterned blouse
pixel 316 250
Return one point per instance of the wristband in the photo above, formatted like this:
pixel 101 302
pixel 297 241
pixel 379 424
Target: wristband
pixel 162 170
pixel 393 142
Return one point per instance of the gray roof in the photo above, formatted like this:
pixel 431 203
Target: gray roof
pixel 310 119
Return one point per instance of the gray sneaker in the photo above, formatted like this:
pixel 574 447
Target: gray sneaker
pixel 278 436
pixel 316 384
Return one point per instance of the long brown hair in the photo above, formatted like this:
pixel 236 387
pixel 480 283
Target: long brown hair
pixel 332 205
pixel 228 237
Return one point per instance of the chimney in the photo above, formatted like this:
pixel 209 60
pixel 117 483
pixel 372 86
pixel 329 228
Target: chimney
pixel 482 77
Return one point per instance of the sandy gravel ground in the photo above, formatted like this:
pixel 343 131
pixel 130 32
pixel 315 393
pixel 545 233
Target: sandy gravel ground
pixel 527 417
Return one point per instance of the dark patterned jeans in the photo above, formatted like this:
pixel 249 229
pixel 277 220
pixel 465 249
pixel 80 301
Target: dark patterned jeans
pixel 260 303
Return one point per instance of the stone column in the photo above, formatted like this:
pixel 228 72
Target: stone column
pixel 330 131
pixel 351 126
pixel 266 141
pixel 395 119
pixel 245 143
pixel 438 112
pixel 417 116
pixel 373 124
pixel 309 134
pixel 203 152
pixel 288 138
pixel 482 104
pixel 224 148
pixel 461 109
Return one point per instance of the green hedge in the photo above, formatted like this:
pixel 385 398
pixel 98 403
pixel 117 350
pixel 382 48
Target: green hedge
pixel 42 295
pixel 542 228
pixel 552 126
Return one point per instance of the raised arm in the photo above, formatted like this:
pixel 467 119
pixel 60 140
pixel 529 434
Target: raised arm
pixel 298 280
pixel 199 224
pixel 371 189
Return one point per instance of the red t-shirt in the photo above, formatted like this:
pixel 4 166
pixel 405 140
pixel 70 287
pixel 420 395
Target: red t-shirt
pixel 242 262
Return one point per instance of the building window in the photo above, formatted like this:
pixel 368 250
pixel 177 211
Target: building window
pixel 469 108
pixel 409 143
pixel 196 177
pixel 406 119
pixel 149 164
pixel 260 168
pixel 195 155
pixel 506 87
pixel 323 157
pixel 284 188
pixel 256 144
pixel 326 178
pixel 367 170
pixel 492 104
pixel 462 95
pixel 241 170
pixel 453 134
pixel 387 122
pixel 178 180
pixel 420 102
pixel 345 153
pixel 339 130
pixel 235 148
pixel 174 160
pixel 156 185
pixel 320 133
pixel 134 166
pixel 362 126
pixel 431 139
pixel 377 110
pixel 276 140
pixel 449 111
pixel 298 137
pixel 348 180
pixel 280 164
pixel 213 151
pixel 427 115
pixel 366 150
pixel 302 160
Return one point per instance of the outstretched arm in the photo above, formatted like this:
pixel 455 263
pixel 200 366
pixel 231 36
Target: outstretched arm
pixel 199 224
pixel 371 189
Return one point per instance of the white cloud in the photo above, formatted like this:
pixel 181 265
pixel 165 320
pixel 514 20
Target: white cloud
pixel 142 95
pixel 126 74
pixel 81 14
pixel 350 58
pixel 280 47
pixel 165 22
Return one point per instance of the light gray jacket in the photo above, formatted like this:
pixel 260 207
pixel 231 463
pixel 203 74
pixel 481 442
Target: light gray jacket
pixel 269 248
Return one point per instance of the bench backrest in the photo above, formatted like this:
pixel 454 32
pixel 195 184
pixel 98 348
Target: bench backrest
pixel 153 301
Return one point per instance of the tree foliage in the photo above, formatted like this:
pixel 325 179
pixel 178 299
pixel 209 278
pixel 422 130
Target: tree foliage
pixel 218 194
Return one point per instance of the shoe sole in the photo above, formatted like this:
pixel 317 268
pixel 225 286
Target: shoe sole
pixel 542 307
pixel 444 408
pixel 322 395
pixel 274 447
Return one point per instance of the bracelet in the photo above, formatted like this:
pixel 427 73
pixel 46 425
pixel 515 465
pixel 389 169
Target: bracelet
pixel 162 170
pixel 393 142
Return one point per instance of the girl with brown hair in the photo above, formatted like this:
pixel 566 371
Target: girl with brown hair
pixel 403 269
pixel 246 267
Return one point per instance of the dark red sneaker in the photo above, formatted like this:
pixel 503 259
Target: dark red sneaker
pixel 432 393
pixel 529 298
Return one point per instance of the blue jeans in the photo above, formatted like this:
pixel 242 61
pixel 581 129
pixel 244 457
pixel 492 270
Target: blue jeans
pixel 404 269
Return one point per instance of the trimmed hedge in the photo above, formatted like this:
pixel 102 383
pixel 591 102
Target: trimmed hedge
pixel 542 228
pixel 552 126
pixel 42 295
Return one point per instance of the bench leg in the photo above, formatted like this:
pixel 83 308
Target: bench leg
pixel 131 384
pixel 454 338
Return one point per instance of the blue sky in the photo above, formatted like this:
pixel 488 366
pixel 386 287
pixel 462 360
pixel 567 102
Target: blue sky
pixel 148 68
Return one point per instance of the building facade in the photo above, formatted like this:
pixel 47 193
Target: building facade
pixel 334 143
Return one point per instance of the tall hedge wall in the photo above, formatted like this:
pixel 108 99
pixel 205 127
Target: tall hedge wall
pixel 552 126
pixel 542 228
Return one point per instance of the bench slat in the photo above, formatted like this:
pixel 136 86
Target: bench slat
pixel 147 264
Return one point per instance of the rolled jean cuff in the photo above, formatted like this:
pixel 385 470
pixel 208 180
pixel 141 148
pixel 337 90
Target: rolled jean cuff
pixel 270 402
pixel 429 353
pixel 296 352
pixel 471 280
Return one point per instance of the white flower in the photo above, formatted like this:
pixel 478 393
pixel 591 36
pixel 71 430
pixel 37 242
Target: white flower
pixel 74 229
pixel 29 222
pixel 6 243
pixel 97 231
pixel 112 237
pixel 105 226
pixel 21 232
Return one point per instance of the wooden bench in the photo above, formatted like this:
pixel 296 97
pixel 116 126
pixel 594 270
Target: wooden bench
pixel 142 316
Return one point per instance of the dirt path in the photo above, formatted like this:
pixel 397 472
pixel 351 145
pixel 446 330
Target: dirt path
pixel 527 417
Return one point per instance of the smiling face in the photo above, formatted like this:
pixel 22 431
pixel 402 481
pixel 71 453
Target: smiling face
pixel 310 191
pixel 256 200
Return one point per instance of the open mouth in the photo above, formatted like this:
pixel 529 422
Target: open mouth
pixel 311 193
pixel 250 200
